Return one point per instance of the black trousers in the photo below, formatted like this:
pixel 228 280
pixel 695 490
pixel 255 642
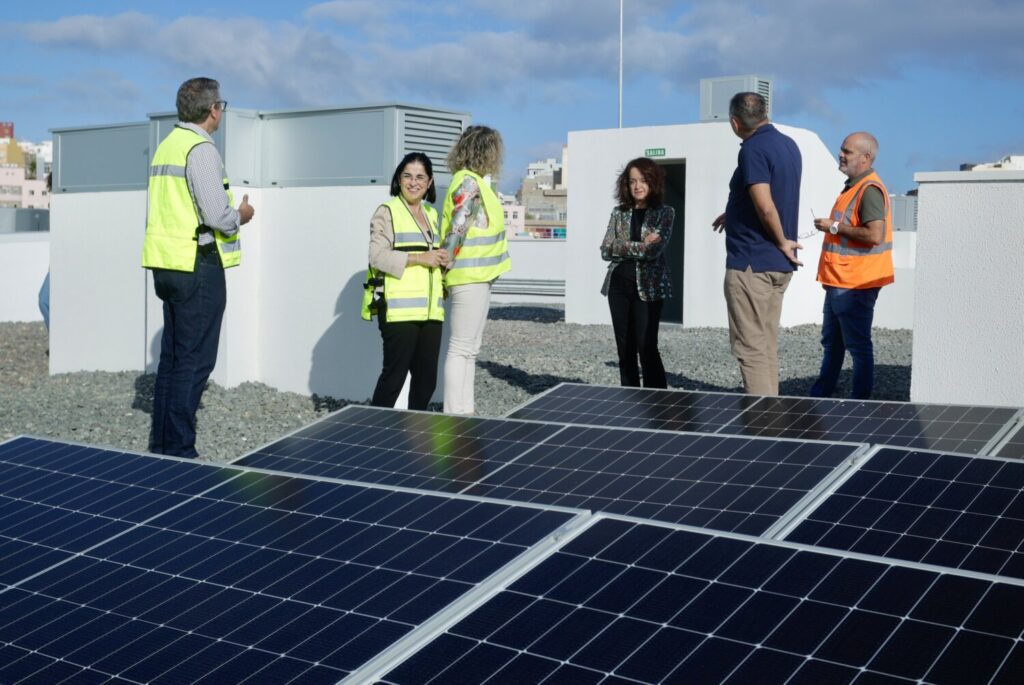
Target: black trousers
pixel 635 324
pixel 410 347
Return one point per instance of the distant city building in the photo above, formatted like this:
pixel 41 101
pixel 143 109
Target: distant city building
pixel 1007 163
pixel 12 178
pixel 543 196
pixel 23 169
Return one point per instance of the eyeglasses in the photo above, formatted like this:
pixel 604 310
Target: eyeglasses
pixel 811 234
pixel 419 178
pixel 222 105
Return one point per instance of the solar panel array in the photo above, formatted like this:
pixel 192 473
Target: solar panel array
pixel 215 574
pixel 634 602
pixel 415 547
pixel 726 483
pixel 945 509
pixel 949 428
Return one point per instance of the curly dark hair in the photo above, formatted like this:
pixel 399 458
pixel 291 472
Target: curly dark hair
pixel 396 188
pixel 652 173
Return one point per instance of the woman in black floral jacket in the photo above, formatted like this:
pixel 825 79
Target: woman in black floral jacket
pixel 638 282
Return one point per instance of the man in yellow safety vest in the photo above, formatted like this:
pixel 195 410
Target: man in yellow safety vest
pixel 191 237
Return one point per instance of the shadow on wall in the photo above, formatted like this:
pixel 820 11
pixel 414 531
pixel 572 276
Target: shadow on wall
pixel 347 358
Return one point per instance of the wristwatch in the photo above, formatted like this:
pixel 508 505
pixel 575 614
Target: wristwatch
pixel 834 228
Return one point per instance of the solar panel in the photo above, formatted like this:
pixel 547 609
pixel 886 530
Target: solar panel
pixel 265 577
pixel 950 510
pixel 58 499
pixel 952 428
pixel 674 410
pixel 635 602
pixel 721 482
pixel 726 483
pixel 410 449
pixel 1013 445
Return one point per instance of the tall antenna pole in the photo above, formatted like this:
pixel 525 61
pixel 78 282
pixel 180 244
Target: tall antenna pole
pixel 620 61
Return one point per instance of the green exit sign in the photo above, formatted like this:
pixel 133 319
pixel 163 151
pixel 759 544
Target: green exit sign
pixel 654 152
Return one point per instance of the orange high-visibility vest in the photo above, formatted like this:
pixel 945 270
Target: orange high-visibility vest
pixel 846 263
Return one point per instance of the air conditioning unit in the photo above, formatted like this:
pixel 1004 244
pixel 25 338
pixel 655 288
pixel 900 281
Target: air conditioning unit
pixel 715 94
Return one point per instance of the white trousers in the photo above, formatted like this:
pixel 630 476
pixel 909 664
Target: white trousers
pixel 467 318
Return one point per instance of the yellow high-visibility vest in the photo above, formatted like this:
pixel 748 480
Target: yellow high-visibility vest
pixel 484 254
pixel 419 294
pixel 172 220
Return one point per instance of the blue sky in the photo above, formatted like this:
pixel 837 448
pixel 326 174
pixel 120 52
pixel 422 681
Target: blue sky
pixel 937 81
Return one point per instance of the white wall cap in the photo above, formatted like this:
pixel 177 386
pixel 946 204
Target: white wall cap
pixel 967 176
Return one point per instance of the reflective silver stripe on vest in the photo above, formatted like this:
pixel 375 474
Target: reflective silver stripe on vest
pixel 416 237
pixel 846 250
pixel 484 240
pixel 440 303
pixel 479 261
pixel 231 246
pixel 406 302
pixel 167 170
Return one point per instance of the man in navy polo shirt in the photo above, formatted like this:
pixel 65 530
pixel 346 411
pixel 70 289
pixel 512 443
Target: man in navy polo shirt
pixel 760 223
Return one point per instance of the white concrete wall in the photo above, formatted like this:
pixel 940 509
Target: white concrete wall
pixel 969 301
pixel 24 259
pixel 97 285
pixel 293 314
pixel 709 150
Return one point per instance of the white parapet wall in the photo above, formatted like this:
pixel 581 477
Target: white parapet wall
pixel 24 259
pixel 709 152
pixel 969 301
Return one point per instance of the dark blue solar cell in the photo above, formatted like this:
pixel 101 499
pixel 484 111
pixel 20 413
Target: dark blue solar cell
pixel 711 608
pixel 497 612
pixel 949 600
pixel 753 621
pixel 667 598
pixel 766 667
pixel 660 655
pixel 992 616
pixel 615 643
pixel 531 623
pixel 897 591
pixel 711 662
pixel 803 630
pixel 856 639
pixel 525 668
pixel 847 582
pixel 971 658
pixel 801 574
pixel 713 558
pixel 815 672
pixel 566 638
pixel 912 649
pixel 621 593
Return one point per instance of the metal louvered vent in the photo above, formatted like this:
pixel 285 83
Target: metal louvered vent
pixel 715 94
pixel 432 133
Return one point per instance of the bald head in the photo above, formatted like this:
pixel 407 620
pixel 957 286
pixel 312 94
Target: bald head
pixel 858 153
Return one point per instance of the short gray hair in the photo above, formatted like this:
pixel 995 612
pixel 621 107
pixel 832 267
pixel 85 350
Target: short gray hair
pixel 195 99
pixel 868 143
pixel 750 109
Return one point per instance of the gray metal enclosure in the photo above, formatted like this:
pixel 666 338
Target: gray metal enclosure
pixel 331 146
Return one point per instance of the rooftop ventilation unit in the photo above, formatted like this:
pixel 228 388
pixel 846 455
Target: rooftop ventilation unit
pixel 715 94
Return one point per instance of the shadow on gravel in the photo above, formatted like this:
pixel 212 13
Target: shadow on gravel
pixel 532 383
pixel 143 400
pixel 525 313
pixel 892 384
pixel 325 405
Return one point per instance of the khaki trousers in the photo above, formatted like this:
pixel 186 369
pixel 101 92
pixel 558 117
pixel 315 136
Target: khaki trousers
pixel 754 301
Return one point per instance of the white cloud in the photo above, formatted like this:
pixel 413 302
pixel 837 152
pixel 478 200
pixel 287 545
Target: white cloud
pixel 121 32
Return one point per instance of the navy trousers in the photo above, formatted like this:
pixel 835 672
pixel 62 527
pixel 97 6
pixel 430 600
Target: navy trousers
pixel 193 311
pixel 846 325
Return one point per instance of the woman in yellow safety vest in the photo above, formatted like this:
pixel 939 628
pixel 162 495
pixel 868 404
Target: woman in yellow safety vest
pixel 403 284
pixel 473 233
